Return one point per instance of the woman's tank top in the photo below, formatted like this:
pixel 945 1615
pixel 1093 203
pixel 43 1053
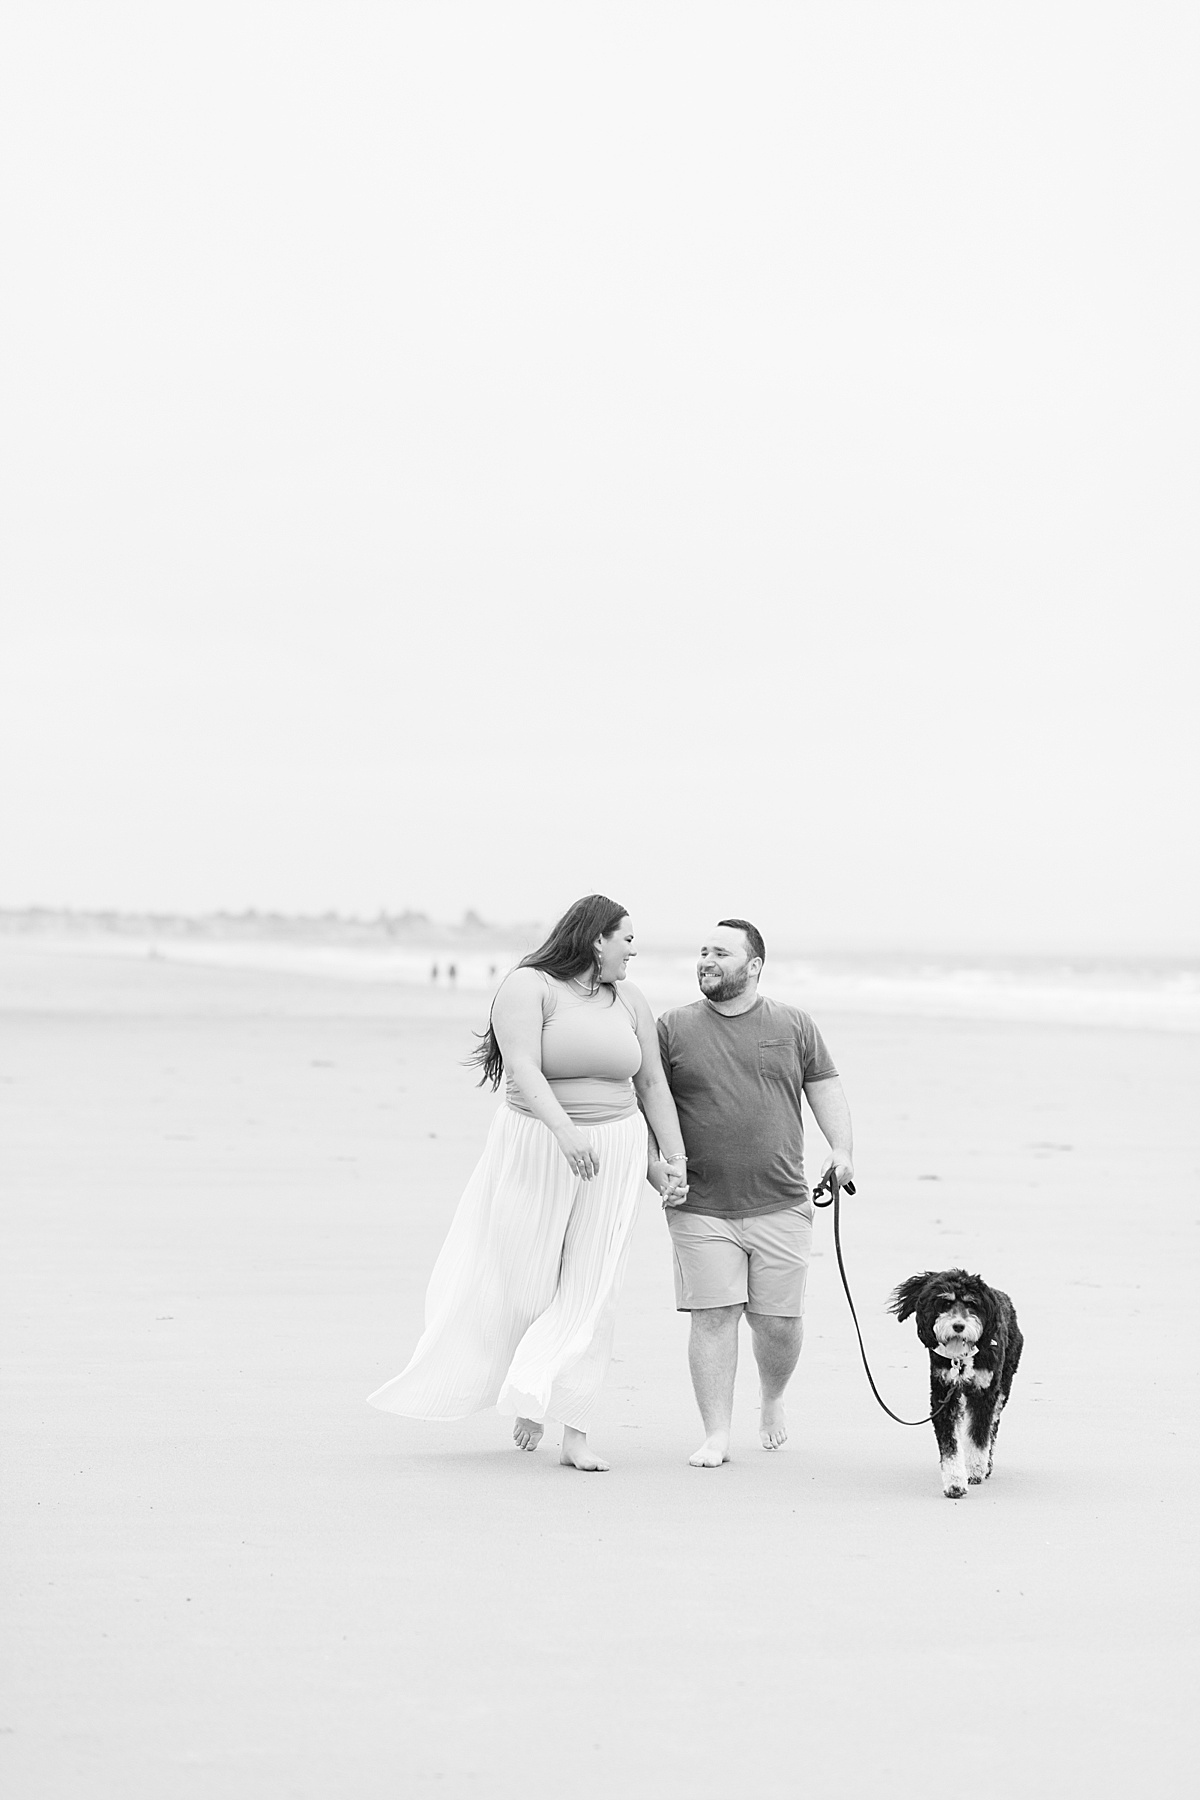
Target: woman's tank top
pixel 590 1053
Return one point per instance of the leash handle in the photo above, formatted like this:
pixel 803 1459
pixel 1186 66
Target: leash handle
pixel 830 1184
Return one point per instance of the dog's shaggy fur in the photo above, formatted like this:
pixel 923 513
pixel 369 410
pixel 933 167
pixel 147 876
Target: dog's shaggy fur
pixel 974 1344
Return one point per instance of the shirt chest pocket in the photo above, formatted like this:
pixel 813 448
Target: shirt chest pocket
pixel 777 1059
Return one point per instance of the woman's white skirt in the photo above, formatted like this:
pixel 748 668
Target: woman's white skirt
pixel 523 1297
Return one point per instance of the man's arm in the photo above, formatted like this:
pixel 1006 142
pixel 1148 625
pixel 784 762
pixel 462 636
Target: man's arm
pixel 832 1114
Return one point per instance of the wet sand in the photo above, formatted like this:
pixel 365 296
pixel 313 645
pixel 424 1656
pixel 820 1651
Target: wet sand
pixel 227 1575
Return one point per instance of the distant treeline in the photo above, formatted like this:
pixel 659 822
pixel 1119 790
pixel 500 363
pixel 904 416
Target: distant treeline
pixel 327 927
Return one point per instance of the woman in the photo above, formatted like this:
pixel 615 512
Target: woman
pixel 523 1297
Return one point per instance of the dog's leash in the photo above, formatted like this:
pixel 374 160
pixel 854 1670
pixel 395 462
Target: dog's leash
pixel 830 1184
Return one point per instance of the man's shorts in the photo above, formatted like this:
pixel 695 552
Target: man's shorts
pixel 760 1262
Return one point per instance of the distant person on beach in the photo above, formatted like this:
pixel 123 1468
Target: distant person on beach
pixel 737 1064
pixel 523 1297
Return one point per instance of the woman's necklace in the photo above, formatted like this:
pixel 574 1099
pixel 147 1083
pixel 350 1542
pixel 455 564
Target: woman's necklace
pixel 585 993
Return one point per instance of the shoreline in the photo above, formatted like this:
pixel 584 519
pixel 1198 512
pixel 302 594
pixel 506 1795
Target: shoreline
pixel 1164 996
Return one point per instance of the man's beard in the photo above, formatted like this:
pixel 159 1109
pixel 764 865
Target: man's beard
pixel 728 988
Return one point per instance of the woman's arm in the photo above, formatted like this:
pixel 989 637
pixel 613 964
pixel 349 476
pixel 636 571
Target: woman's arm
pixel 517 1021
pixel 654 1094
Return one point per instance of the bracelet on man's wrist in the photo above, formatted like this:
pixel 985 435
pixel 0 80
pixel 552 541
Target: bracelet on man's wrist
pixel 682 1157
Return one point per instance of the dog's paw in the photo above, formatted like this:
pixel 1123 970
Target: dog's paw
pixel 974 1480
pixel 955 1493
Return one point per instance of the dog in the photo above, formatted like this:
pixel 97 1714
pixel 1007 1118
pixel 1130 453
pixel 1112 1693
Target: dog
pixel 974 1344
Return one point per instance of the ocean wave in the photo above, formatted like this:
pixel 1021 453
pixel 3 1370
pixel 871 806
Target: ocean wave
pixel 1157 995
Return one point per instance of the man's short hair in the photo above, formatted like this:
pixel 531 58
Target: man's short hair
pixel 754 936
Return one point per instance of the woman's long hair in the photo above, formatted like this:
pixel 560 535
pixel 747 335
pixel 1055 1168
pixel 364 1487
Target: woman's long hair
pixel 567 952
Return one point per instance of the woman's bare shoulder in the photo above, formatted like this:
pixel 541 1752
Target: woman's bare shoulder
pixel 524 976
pixel 634 998
pixel 522 987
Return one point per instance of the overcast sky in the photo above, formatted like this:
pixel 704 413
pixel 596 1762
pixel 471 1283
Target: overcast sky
pixel 741 458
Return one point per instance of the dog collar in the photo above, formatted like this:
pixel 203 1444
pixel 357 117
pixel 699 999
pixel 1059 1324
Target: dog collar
pixel 957 1355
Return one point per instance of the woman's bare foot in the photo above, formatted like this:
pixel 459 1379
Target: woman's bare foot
pixel 575 1453
pixel 772 1428
pixel 712 1453
pixel 527 1433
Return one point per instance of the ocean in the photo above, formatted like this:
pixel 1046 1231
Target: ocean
pixel 1161 994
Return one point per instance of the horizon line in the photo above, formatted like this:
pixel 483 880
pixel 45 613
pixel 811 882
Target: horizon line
pixel 386 925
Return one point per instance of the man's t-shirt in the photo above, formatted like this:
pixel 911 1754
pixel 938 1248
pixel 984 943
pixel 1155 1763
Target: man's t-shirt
pixel 737 1081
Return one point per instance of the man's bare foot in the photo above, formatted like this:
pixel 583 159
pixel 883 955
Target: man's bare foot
pixel 772 1429
pixel 575 1453
pixel 712 1453
pixel 527 1433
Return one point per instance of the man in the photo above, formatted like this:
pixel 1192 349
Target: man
pixel 737 1064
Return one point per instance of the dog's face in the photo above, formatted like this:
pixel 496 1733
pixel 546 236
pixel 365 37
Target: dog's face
pixel 954 1310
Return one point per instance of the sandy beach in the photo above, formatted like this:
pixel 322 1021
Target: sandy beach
pixel 228 1576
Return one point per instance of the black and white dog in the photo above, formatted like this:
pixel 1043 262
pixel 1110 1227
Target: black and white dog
pixel 974 1344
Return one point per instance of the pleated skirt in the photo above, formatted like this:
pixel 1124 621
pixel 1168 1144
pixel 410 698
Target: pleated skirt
pixel 523 1297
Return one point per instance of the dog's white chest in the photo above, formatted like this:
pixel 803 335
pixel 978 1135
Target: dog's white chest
pixel 960 1370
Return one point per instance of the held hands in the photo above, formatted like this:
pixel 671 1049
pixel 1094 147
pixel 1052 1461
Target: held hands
pixel 669 1180
pixel 579 1153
